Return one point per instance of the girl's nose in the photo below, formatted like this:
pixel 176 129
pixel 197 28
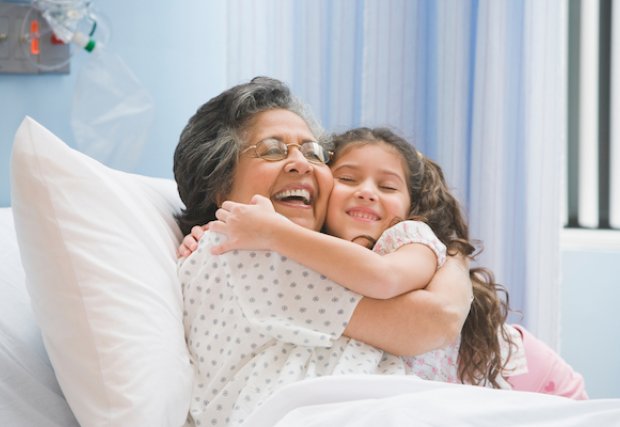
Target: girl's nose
pixel 366 192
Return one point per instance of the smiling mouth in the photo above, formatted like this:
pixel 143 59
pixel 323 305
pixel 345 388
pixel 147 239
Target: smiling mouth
pixel 366 216
pixel 295 196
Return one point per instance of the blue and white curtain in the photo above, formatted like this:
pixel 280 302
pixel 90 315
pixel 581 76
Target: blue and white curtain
pixel 477 85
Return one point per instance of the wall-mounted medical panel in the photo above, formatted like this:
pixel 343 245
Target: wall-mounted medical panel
pixel 27 44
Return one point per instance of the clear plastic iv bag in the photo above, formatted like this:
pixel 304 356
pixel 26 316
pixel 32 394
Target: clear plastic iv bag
pixel 112 113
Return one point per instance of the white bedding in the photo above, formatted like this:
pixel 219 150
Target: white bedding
pixel 29 392
pixel 394 401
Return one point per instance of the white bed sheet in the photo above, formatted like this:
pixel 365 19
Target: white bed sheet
pixel 29 392
pixel 395 401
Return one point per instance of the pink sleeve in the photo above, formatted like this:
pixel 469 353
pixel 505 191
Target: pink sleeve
pixel 547 371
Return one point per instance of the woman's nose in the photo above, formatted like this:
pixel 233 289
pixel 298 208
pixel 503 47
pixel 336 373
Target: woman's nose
pixel 296 162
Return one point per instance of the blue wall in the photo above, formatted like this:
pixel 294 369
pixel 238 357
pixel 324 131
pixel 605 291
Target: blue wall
pixel 590 338
pixel 175 51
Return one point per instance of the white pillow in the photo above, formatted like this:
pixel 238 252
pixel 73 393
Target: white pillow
pixel 98 248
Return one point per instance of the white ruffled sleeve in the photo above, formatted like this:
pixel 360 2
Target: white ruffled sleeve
pixel 406 232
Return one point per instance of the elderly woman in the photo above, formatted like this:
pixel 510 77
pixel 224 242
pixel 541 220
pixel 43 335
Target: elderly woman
pixel 255 320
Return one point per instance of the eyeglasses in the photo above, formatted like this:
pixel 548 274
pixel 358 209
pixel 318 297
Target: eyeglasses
pixel 272 149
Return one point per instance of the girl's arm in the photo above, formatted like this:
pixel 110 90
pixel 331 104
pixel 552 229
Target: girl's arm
pixel 361 270
pixel 190 242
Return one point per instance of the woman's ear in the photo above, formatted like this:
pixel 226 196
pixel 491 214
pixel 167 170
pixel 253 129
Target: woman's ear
pixel 219 199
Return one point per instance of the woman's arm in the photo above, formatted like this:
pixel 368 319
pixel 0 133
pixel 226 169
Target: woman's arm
pixel 363 271
pixel 418 321
pixel 415 322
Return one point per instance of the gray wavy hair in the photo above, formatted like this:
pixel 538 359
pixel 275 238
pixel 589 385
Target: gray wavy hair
pixel 208 151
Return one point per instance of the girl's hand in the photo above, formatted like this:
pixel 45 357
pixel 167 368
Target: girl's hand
pixel 190 242
pixel 246 226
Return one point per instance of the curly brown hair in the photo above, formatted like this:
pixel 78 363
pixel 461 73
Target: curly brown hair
pixel 480 356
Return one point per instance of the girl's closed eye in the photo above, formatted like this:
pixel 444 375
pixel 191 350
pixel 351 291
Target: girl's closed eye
pixel 346 179
pixel 389 187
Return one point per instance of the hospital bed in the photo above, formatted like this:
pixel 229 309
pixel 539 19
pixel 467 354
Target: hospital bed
pixel 91 330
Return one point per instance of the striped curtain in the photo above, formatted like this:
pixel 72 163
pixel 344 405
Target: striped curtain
pixel 477 85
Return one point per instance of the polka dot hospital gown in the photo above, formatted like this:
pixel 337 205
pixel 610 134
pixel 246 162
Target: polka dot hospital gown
pixel 255 320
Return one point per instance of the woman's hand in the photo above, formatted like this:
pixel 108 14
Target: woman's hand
pixel 247 226
pixel 190 242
